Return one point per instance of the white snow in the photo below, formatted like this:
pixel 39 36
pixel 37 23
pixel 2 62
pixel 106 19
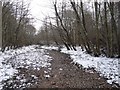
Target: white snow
pixel 46 76
pixel 49 68
pixel 60 69
pixel 107 67
pixel 33 76
pixel 34 57
pixel 26 57
pixel 45 72
pixel 6 71
pixel 50 47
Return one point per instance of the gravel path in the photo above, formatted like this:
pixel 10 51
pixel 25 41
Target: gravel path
pixel 62 74
pixel 65 74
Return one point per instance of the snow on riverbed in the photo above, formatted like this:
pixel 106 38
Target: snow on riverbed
pixel 25 57
pixel 107 67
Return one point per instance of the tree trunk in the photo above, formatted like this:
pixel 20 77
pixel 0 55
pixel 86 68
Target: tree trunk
pixel 83 32
pixel 118 35
pixel 97 53
pixel 0 25
pixel 107 31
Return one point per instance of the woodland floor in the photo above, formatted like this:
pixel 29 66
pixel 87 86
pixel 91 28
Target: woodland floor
pixel 62 74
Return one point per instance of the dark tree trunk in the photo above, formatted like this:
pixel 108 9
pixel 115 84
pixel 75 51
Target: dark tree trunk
pixel 118 29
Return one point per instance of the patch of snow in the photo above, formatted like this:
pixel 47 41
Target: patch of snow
pixel 45 72
pixel 107 67
pixel 26 57
pixel 33 76
pixel 20 81
pixel 119 71
pixel 60 69
pixel 49 68
pixel 23 80
pixel 49 47
pixel 6 71
pixel 46 76
pixel 89 71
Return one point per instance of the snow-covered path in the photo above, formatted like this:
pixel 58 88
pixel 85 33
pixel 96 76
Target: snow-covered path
pixel 35 57
pixel 25 57
pixel 107 67
pixel 61 74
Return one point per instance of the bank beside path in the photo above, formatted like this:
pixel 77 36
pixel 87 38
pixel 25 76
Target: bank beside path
pixel 59 71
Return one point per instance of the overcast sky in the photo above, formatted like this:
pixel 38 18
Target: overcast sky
pixel 40 9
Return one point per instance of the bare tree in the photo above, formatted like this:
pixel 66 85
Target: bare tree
pixel 14 19
pixel 67 39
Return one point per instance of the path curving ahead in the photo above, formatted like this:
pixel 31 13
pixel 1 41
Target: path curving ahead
pixel 65 74
pixel 62 73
